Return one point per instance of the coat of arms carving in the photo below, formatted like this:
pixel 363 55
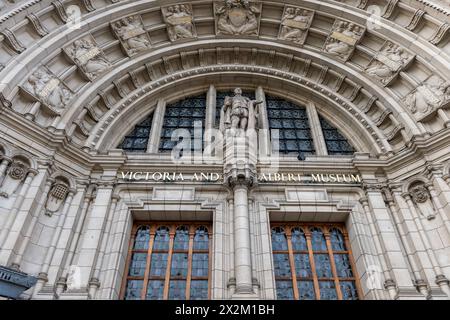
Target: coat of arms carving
pixel 237 17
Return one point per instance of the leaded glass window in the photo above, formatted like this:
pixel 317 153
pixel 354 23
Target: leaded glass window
pixel 182 115
pixel 137 140
pixel 293 126
pixel 168 261
pixel 336 143
pixel 313 262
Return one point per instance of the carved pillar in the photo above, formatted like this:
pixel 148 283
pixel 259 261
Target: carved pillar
pixel 157 125
pixel 232 280
pixel 428 248
pixel 3 166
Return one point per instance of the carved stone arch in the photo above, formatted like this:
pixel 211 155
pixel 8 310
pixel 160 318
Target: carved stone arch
pixel 23 157
pixel 368 139
pixel 64 177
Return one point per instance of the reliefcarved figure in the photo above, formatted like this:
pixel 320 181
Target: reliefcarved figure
pixel 239 113
pixel 17 172
pixel 430 95
pixel 388 63
pixel 237 17
pixel 88 57
pixel 45 87
pixel 179 22
pixel 132 35
pixel 56 197
pixel 343 39
pixel 295 24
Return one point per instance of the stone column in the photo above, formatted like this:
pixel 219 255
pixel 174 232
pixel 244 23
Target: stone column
pixel 210 118
pixel 230 247
pixel 265 147
pixel 3 166
pixel 157 125
pixel 316 130
pixel 437 203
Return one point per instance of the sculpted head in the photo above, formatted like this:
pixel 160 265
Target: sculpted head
pixel 238 91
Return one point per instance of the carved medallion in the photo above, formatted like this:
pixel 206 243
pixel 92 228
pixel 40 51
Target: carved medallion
pixel 89 58
pixel 131 34
pixel 56 198
pixel 419 194
pixel 179 21
pixel 295 24
pixel 48 89
pixel 237 17
pixel 388 63
pixel 429 96
pixel 342 40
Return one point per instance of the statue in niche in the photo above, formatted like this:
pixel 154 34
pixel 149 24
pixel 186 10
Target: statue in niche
pixel 295 24
pixel 179 22
pixel 429 96
pixel 422 199
pixel 88 57
pixel 132 35
pixel 17 172
pixel 388 63
pixel 48 89
pixel 237 17
pixel 239 113
pixel 343 39
pixel 56 197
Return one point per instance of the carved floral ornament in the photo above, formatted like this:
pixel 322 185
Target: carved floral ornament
pixel 18 170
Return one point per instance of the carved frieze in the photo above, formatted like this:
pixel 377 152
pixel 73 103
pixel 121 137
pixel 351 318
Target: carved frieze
pixel 429 96
pixel 131 34
pixel 48 89
pixel 343 38
pixel 88 56
pixel 388 62
pixel 180 22
pixel 295 24
pixel 237 17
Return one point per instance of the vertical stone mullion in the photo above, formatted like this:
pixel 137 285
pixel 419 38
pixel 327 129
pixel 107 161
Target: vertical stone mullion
pixel 316 130
pixel 264 127
pixel 157 125
pixel 210 117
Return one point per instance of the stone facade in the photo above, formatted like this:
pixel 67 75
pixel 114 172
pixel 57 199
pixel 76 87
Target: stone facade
pixel 74 79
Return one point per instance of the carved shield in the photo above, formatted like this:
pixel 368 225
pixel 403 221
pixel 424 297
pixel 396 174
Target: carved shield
pixel 237 17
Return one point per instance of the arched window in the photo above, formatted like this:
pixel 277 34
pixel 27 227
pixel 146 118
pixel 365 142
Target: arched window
pixel 293 126
pixel 336 143
pixel 137 140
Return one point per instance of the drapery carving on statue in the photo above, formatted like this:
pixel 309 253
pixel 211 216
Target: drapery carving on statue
pixel 87 55
pixel 48 89
pixel 237 17
pixel 131 34
pixel 343 39
pixel 422 199
pixel 56 197
pixel 239 114
pixel 388 63
pixel 17 171
pixel 432 94
pixel 295 24
pixel 179 21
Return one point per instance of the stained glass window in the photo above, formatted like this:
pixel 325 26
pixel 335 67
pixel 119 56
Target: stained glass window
pixel 137 140
pixel 182 115
pixel 313 262
pixel 336 143
pixel 168 261
pixel 293 124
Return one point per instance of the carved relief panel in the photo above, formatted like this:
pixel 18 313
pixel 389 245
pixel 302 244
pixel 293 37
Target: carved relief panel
pixel 237 17
pixel 48 89
pixel 131 34
pixel 343 38
pixel 16 173
pixel 56 197
pixel 422 200
pixel 180 22
pixel 429 96
pixel 295 24
pixel 388 62
pixel 89 58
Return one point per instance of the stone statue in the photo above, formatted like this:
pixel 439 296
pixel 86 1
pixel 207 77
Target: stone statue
pixel 88 57
pixel 45 87
pixel 295 24
pixel 237 17
pixel 388 63
pixel 430 95
pixel 239 113
pixel 179 22
pixel 343 39
pixel 132 35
